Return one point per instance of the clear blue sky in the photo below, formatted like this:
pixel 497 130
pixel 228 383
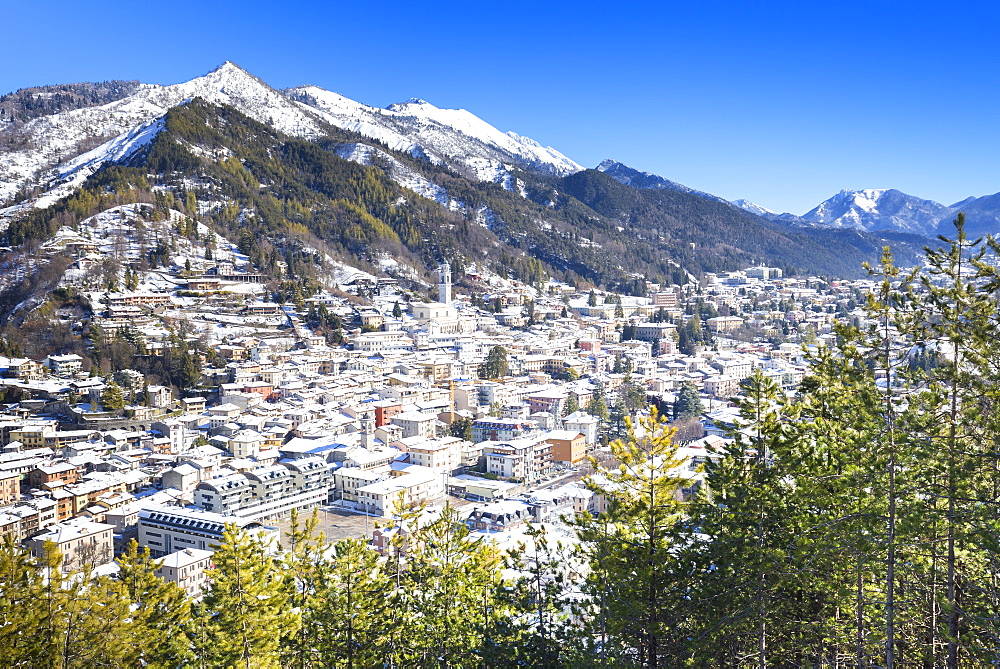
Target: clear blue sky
pixel 782 103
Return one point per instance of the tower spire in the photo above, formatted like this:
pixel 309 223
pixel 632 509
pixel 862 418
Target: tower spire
pixel 444 283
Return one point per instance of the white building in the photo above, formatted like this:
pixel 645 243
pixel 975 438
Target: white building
pixel 408 486
pixel 348 480
pixel 443 455
pixel 188 569
pixel 267 492
pixel 415 423
pixel 166 529
pixel 583 423
pixel 81 543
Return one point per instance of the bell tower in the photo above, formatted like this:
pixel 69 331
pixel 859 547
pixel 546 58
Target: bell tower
pixel 444 283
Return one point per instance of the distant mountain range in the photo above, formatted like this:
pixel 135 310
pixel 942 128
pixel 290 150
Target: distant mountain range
pixel 889 209
pixel 433 183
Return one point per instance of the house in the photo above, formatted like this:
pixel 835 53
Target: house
pixel 61 473
pixel 188 568
pixel 415 423
pixel 444 454
pixel 10 485
pixel 500 429
pixel 136 298
pixel 64 364
pixel 81 543
pixel 525 459
pixel 385 410
pixel 263 309
pixel 25 369
pixel 222 414
pixel 183 477
pixel 202 283
pixel 408 487
pixel 724 323
pixel 569 447
pixel 193 404
pixel 159 396
pixel 584 423
pixel 347 481
pixel 246 444
pixel 499 516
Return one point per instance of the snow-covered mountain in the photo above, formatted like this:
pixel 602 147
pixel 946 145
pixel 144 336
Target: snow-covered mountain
pixel 53 152
pixel 632 177
pixel 764 212
pixel 453 136
pixel 64 148
pixel 982 216
pixel 753 208
pixel 50 141
pixel 879 209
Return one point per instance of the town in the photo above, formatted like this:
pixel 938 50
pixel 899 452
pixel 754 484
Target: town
pixel 365 396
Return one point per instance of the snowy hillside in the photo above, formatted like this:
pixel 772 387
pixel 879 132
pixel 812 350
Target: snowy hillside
pixel 453 136
pixel 67 147
pixel 52 140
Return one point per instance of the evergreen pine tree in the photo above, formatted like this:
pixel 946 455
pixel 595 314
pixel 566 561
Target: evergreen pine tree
pixel 633 590
pixel 352 621
pixel 452 595
pixel 22 609
pixel 688 403
pixel 160 609
pixel 495 366
pixel 247 604
pixel 112 397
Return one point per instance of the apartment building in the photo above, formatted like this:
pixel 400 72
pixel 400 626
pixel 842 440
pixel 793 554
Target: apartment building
pixel 166 529
pixel 81 543
pixel 188 568
pixel 267 492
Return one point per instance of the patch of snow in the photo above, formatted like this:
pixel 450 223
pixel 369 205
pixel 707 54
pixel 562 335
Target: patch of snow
pixel 403 175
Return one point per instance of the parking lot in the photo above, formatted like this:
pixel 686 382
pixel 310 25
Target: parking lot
pixel 335 523
pixel 339 524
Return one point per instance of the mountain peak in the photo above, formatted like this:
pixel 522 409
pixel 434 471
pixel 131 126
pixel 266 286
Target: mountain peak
pixel 229 69
pixel 123 120
pixel 418 127
pixel 865 193
pixel 878 209
pixel 411 105
pixel 229 72
pixel 630 176
pixel 752 207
